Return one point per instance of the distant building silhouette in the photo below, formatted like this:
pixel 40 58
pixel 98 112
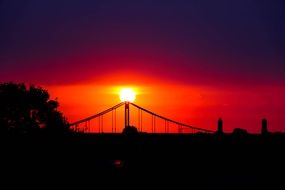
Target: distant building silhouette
pixel 220 126
pixel 264 129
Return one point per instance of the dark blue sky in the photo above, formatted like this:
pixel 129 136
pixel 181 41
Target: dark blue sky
pixel 237 42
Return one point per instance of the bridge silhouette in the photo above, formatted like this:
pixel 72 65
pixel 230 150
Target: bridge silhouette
pixel 167 125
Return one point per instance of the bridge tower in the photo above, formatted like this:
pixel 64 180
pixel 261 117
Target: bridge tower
pixel 127 114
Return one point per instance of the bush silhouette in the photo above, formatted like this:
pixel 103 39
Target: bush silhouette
pixel 129 130
pixel 29 109
pixel 238 132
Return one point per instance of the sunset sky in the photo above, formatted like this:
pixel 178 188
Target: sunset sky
pixel 192 61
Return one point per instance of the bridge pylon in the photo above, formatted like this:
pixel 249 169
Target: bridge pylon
pixel 127 114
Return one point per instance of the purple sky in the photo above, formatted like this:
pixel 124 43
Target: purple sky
pixel 240 42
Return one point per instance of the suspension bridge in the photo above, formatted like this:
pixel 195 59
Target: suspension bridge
pixel 146 121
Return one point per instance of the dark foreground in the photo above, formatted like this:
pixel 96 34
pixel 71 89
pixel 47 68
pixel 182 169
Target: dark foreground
pixel 143 161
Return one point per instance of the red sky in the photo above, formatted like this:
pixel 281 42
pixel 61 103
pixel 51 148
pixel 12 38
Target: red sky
pixel 191 104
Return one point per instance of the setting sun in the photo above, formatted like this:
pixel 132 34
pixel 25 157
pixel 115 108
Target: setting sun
pixel 127 95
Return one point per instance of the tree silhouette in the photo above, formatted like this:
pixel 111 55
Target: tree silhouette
pixel 29 109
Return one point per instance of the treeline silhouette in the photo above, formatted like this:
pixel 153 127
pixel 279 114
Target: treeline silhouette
pixel 29 109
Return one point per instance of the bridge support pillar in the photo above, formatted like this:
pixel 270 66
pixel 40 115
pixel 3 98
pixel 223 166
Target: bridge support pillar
pixel 127 114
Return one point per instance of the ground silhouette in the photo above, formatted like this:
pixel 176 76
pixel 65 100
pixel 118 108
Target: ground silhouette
pixel 206 161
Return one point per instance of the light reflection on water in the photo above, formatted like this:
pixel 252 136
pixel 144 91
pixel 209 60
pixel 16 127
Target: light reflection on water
pixel 118 163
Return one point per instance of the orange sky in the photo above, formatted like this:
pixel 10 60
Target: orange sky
pixel 195 105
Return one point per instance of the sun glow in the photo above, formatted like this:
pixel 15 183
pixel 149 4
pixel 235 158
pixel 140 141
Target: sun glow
pixel 127 95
